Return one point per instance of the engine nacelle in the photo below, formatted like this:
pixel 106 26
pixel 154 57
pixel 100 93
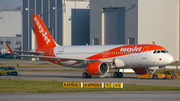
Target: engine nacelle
pixel 142 71
pixel 97 68
pixel 119 63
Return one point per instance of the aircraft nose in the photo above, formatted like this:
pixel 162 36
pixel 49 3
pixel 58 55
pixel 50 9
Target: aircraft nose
pixel 170 59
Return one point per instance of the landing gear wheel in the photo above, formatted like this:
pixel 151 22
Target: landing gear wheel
pixel 85 75
pixel 89 76
pixel 120 74
pixel 116 74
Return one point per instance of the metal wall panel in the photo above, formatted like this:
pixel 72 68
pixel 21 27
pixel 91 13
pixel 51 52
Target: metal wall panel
pixel 159 21
pixel 30 21
pixel 52 20
pixel 58 34
pixel 38 7
pixel 114 28
pixel 80 26
pixel 25 24
pixel 45 12
pixel 97 17
pixel 52 17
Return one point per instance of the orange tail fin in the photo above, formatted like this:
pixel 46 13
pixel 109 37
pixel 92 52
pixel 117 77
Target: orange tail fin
pixel 43 37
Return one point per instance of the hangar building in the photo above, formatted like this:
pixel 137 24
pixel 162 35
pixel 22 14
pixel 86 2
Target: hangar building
pixel 103 22
pixel 136 22
pixel 66 20
pixel 10 27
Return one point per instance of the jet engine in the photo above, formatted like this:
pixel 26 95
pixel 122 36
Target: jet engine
pixel 142 71
pixel 97 68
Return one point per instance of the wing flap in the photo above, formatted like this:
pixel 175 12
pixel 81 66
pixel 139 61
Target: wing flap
pixel 33 56
pixel 29 52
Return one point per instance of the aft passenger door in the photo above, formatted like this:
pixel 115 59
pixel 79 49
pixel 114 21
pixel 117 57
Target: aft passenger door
pixel 144 52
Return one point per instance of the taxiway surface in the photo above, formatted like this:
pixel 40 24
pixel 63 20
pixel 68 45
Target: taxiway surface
pixel 95 96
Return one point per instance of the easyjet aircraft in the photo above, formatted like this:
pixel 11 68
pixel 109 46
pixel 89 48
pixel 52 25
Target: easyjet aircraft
pixel 97 59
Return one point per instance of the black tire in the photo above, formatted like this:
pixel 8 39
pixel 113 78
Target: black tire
pixel 116 74
pixel 8 74
pixel 85 75
pixel 155 77
pixel 16 74
pixel 89 76
pixel 120 74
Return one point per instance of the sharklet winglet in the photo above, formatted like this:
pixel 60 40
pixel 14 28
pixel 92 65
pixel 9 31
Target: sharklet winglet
pixel 9 48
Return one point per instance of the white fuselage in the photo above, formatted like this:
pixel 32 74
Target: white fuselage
pixel 131 59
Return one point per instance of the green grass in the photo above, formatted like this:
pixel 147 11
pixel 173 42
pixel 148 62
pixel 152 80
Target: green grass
pixel 31 86
pixel 45 63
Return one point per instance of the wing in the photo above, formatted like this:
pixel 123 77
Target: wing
pixel 41 55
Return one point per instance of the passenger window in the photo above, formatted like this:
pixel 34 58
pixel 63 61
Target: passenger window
pixel 154 52
pixel 158 51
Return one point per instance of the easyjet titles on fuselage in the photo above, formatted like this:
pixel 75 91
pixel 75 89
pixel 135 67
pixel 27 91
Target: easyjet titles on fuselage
pixel 136 49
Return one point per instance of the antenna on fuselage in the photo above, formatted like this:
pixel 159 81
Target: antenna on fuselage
pixel 153 42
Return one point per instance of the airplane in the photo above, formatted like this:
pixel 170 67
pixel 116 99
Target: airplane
pixel 97 59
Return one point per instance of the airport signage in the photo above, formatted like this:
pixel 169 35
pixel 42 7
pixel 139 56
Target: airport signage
pixel 73 84
pixel 108 85
pixel 93 85
pixel 118 85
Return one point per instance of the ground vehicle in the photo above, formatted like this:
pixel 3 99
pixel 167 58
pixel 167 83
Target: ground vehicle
pixel 4 55
pixel 165 75
pixel 8 71
pixel 12 57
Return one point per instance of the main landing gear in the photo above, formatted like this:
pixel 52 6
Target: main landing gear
pixel 86 75
pixel 118 74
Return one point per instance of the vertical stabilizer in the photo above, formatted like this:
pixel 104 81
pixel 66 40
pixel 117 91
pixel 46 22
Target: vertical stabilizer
pixel 43 37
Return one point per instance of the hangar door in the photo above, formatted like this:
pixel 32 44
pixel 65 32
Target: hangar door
pixel 114 26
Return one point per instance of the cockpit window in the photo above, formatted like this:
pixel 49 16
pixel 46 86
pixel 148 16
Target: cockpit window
pixel 154 52
pixel 167 51
pixel 163 51
pixel 158 51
